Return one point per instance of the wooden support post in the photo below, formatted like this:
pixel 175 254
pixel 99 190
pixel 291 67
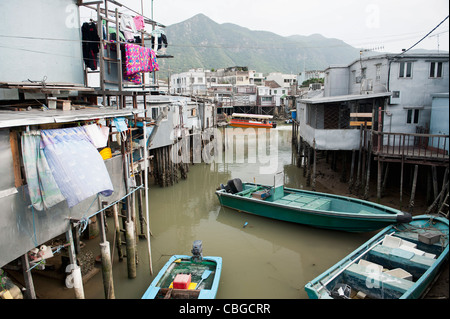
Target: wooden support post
pixel 379 175
pixel 29 293
pixel 75 275
pixel 131 248
pixel 140 205
pixel 435 181
pixel 344 167
pixel 401 182
pixel 108 283
pixel 314 166
pixel 413 191
pixel 358 173
pixel 118 233
pixel 308 168
pixel 369 155
pixel 386 174
pixel 352 169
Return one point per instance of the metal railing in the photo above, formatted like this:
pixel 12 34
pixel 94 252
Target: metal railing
pixel 425 146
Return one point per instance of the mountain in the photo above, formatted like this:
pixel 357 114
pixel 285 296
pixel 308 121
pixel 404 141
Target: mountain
pixel 199 42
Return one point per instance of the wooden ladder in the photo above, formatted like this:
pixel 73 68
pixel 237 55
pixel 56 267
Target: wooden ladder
pixel 443 210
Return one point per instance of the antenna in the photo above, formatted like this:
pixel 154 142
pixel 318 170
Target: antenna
pixel 437 35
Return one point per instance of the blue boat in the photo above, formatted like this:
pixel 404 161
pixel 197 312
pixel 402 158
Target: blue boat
pixel 400 262
pixel 307 207
pixel 203 274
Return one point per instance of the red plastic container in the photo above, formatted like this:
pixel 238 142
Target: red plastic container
pixel 182 281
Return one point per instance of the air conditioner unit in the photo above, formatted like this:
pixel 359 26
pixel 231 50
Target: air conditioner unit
pixel 395 98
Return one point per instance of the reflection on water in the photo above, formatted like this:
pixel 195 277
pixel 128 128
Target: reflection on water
pixel 265 259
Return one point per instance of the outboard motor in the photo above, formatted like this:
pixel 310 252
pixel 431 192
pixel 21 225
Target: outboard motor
pixel 197 250
pixel 234 186
pixel 404 218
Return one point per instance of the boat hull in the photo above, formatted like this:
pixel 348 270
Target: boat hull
pixel 424 268
pixel 247 124
pixel 338 220
pixel 160 288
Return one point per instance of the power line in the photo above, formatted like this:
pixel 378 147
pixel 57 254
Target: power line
pixel 424 36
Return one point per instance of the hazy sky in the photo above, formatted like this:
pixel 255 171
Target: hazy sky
pixel 392 24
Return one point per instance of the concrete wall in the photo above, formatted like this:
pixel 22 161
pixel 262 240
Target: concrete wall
pixel 43 40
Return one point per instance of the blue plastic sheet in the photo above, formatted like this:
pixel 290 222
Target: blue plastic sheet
pixel 77 166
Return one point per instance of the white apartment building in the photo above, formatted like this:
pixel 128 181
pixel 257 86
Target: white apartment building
pixel 192 82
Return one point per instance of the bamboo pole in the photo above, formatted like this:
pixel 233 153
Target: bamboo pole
pixel 146 199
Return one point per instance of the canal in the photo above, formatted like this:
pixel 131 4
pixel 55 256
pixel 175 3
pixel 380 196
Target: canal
pixel 265 259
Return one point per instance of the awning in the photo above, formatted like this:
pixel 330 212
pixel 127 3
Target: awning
pixel 35 117
pixel 344 98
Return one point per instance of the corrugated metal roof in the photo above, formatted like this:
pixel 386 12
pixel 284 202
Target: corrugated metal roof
pixel 36 117
pixel 343 98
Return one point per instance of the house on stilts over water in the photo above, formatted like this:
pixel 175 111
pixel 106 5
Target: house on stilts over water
pixel 384 111
pixel 82 128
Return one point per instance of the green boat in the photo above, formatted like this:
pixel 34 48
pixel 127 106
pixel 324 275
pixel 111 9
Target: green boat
pixel 199 277
pixel 400 262
pixel 307 207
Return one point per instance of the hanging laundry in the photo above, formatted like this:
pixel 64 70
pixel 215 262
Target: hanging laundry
pixel 158 40
pixel 97 135
pixel 90 44
pixel 139 59
pixel 42 187
pixel 139 22
pixel 77 166
pixel 127 23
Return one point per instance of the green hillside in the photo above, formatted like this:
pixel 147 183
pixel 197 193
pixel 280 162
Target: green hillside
pixel 199 42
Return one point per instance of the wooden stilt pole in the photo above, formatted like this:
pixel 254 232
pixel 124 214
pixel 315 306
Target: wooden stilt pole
pixel 118 233
pixel 77 280
pixel 413 191
pixel 386 174
pixel 30 292
pixel 314 166
pixel 401 182
pixel 352 168
pixel 379 175
pixel 358 173
pixel 308 168
pixel 369 155
pixel 435 181
pixel 108 283
pixel 131 248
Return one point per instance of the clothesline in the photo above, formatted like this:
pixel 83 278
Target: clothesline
pixel 80 221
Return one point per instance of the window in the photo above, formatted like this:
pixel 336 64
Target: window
pixel 378 72
pixel 412 117
pixel 436 70
pixel 405 70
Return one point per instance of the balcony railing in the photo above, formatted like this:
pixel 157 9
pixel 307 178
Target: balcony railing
pixel 411 145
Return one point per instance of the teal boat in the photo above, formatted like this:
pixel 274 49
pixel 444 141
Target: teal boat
pixel 199 275
pixel 400 262
pixel 307 207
